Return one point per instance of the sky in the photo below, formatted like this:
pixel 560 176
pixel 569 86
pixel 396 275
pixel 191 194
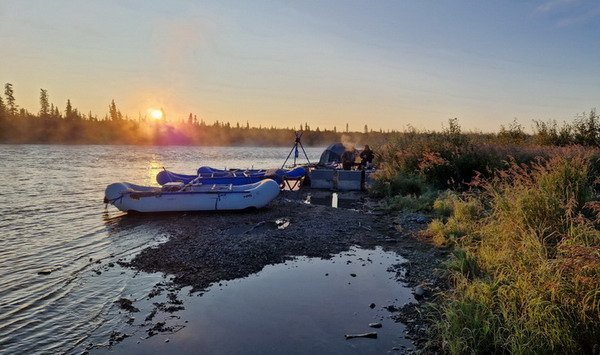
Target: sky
pixel 387 64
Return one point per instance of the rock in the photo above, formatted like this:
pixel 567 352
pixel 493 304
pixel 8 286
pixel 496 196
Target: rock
pixel 117 336
pixel 44 272
pixel 353 275
pixel 375 325
pixel 371 335
pixel 421 220
pixel 419 291
pixel 395 348
pixel 167 340
pixel 127 305
pixel 372 305
pixel 392 308
pixel 282 223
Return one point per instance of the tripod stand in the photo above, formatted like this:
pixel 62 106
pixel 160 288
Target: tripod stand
pixel 297 143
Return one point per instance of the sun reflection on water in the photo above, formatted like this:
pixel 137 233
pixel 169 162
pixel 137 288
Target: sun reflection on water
pixel 154 167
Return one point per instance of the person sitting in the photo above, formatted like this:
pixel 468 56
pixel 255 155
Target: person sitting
pixel 348 158
pixel 366 157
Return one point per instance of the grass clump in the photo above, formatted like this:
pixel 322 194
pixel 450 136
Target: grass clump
pixel 457 218
pixel 403 191
pixel 526 266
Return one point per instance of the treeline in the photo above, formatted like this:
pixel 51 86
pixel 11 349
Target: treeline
pixel 52 125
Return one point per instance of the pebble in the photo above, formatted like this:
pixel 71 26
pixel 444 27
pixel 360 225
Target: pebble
pixel 372 305
pixel 421 220
pixel 419 291
pixel 353 275
pixel 166 340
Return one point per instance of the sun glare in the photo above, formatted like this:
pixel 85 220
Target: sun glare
pixel 156 114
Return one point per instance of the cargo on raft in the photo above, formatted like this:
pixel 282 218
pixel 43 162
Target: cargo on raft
pixel 194 196
pixel 207 175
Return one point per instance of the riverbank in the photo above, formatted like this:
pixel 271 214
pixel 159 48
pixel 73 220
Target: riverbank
pixel 205 250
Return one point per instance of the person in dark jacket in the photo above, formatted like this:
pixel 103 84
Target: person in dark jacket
pixel 348 158
pixel 366 157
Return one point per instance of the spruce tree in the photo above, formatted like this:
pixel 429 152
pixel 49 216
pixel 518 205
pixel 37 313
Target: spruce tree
pixel 2 109
pixel 44 104
pixel 69 110
pixel 112 110
pixel 10 99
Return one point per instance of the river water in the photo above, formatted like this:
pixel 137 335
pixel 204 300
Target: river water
pixel 56 294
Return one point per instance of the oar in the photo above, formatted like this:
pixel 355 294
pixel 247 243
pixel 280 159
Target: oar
pixel 190 183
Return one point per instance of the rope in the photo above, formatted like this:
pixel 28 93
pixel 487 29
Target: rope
pixel 112 201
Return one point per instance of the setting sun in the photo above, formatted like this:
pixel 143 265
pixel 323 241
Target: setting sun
pixel 156 114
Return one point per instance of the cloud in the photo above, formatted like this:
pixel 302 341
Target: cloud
pixel 553 5
pixel 579 18
pixel 569 12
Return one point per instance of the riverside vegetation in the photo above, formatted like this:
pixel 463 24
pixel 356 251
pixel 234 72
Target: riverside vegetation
pixel 521 215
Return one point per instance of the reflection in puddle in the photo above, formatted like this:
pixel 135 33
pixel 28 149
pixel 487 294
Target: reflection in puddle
pixel 306 305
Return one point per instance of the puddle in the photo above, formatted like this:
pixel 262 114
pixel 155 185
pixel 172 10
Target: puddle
pixel 306 305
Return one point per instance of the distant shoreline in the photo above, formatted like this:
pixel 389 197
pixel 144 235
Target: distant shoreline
pixel 168 145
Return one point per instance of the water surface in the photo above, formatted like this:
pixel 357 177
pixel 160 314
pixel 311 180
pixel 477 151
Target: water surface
pixel 304 306
pixel 53 221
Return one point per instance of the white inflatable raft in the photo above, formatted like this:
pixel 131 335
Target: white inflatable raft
pixel 177 197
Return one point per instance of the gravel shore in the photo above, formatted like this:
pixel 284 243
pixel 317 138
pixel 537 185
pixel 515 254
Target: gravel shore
pixel 206 248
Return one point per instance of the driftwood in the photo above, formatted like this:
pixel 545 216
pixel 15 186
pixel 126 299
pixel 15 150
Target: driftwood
pixel 372 335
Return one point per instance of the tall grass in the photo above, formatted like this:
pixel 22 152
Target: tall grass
pixel 526 270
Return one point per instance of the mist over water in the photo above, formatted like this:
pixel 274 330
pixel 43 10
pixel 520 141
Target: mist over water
pixel 53 222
